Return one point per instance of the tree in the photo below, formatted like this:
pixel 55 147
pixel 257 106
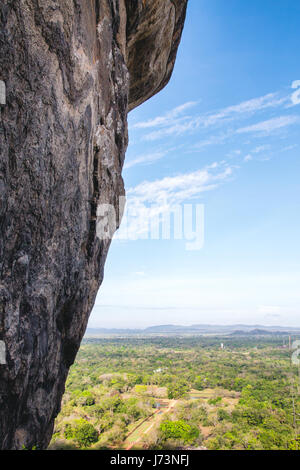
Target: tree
pixel 177 390
pixel 198 384
pixel 223 415
pixel 82 432
pixel 179 430
pixel 85 435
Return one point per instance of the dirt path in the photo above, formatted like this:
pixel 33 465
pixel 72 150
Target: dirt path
pixel 155 419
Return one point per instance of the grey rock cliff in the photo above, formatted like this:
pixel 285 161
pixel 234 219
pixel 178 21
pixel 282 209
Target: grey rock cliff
pixel 72 70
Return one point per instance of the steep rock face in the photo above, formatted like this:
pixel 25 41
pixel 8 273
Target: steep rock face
pixel 72 69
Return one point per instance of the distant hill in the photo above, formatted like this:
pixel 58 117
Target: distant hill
pixel 111 331
pixel 237 330
pixel 258 332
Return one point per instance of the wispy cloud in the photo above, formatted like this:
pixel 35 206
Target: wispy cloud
pixel 180 188
pixel 258 117
pixel 168 125
pixel 261 148
pixel 167 118
pixel 270 100
pixel 146 159
pixel 270 125
pixel 150 199
pixel 178 121
pixel 211 140
pixel 177 128
pixel 256 152
pixel 295 98
pixel 289 147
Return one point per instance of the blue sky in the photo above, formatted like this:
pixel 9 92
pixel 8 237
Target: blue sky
pixel 224 133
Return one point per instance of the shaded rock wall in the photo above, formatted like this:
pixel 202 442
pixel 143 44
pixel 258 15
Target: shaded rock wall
pixel 72 69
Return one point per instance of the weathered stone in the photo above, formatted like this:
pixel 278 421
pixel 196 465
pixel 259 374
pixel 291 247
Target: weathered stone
pixel 68 67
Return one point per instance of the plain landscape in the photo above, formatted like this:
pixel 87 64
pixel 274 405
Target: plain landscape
pixel 233 391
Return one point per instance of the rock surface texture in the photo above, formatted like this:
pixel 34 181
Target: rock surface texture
pixel 72 70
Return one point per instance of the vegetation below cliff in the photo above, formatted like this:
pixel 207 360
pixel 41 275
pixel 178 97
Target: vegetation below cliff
pixel 166 393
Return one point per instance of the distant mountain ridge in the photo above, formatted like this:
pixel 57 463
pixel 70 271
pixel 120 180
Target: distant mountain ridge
pixel 259 332
pixel 236 329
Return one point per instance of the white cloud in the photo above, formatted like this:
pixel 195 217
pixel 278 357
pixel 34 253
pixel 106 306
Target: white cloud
pixel 270 125
pixel 170 126
pixel 295 98
pixel 295 84
pixel 156 197
pixel 213 140
pixel 167 118
pixel 261 148
pixel 289 147
pixel 151 199
pixel 177 128
pixel 256 104
pixel 256 152
pixel 177 189
pixel 146 159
